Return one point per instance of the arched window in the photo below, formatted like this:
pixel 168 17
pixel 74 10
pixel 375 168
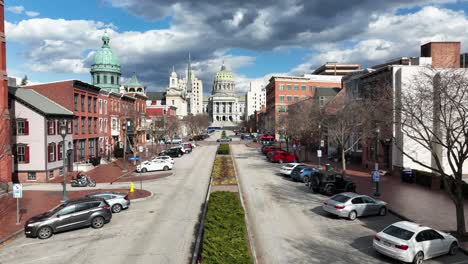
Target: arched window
pixel 98 79
pixel 105 78
pixel 118 79
pixel 112 79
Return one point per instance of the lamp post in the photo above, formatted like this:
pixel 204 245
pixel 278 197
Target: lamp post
pixel 152 139
pixel 63 133
pixel 124 163
pixel 319 153
pixel 376 176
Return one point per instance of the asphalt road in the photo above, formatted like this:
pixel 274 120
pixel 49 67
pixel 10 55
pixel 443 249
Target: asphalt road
pixel 158 230
pixel 289 226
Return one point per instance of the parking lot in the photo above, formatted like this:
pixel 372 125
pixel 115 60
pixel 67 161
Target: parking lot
pixel 289 226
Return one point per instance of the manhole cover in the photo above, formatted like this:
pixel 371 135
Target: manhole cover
pixel 151 212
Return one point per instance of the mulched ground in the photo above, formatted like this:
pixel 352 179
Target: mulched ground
pixel 36 202
pixel 134 178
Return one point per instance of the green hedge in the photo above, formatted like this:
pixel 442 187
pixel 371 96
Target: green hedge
pixel 223 149
pixel 223 134
pixel 225 233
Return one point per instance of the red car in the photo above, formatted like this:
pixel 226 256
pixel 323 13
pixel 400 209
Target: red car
pixel 269 149
pixel 282 156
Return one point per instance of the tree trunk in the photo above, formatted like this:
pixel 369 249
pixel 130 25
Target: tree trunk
pixel 459 206
pixel 343 160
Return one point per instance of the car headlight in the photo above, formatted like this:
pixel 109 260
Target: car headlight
pixel 32 223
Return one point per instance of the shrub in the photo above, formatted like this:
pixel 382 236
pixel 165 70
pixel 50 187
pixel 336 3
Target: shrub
pixel 223 134
pixel 225 235
pixel 423 178
pixel 223 149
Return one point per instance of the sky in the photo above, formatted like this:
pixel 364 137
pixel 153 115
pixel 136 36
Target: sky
pixel 52 40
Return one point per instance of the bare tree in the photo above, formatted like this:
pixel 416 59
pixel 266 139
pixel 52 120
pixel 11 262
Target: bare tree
pixel 432 114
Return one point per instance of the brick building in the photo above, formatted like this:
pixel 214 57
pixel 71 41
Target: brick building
pixel 282 91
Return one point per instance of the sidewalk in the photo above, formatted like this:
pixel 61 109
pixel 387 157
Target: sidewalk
pixel 36 202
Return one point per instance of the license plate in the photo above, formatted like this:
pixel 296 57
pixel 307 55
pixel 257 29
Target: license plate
pixel 387 244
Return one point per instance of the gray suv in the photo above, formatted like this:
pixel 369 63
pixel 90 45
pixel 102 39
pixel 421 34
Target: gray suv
pixel 72 214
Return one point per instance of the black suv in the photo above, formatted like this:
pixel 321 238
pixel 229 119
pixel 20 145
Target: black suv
pixel 172 152
pixel 72 214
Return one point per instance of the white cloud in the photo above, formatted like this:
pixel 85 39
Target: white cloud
pixel 15 9
pixel 32 13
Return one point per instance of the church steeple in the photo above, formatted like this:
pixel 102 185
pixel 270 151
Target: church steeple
pixel 189 76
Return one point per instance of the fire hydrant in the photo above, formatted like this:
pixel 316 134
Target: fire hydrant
pixel 132 187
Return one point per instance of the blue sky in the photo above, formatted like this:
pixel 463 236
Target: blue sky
pixel 54 40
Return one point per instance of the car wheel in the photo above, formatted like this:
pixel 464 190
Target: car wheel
pixel 178 155
pixel 328 190
pixel 453 249
pixel 116 208
pixel 352 215
pixel 44 232
pixel 305 179
pixel 144 170
pixel 165 168
pixel 383 211
pixel 97 222
pixel 280 161
pixel 419 258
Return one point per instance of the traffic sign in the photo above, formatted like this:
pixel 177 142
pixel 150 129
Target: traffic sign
pixel 17 190
pixel 319 153
pixel 134 158
pixel 322 143
pixel 140 149
pixel 375 175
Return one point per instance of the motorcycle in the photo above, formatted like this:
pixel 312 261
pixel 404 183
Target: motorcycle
pixel 82 180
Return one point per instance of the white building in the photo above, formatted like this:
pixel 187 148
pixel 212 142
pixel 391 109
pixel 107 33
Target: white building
pixel 255 99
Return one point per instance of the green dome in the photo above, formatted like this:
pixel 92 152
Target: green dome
pixel 105 60
pixel 223 75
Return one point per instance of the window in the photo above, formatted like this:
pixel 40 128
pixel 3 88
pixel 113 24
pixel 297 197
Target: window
pixel 289 87
pixel 91 147
pixel 75 102
pixel 303 87
pixel 114 124
pixel 172 102
pixel 51 127
pixel 398 232
pixel 118 79
pixel 281 87
pixel 281 108
pixel 311 88
pixel 51 152
pixel 296 87
pixel 89 125
pixel 95 125
pixel 303 98
pixel 61 171
pixel 296 98
pixel 83 125
pixel 105 125
pixel 281 98
pixel 82 103
pixel 69 127
pixel 75 125
pixel 82 149
pixel 94 105
pixel 50 174
pixel 98 79
pixel 100 124
pixel 105 78
pixel 31 176
pixel 100 106
pixel 22 127
pixel 22 153
pixel 112 79
pixel 60 151
pixel 90 99
pixel 289 98
pixel 357 200
pixel 67 210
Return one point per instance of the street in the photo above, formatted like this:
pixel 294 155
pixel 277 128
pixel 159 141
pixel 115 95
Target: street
pixel 158 230
pixel 289 225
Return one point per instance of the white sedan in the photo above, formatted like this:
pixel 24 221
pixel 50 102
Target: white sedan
pixel 411 242
pixel 165 158
pixel 288 168
pixel 156 165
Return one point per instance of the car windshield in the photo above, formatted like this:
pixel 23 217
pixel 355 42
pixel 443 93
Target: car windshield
pixel 398 232
pixel 56 209
pixel 340 198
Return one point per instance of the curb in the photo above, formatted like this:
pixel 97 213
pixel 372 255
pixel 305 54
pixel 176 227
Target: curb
pixel 11 236
pixel 464 250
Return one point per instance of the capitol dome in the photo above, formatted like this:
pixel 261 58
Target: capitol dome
pixel 223 83
pixel 223 75
pixel 105 69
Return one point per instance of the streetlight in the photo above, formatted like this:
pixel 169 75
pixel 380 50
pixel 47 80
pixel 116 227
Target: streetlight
pixel 152 137
pixel 63 133
pixel 376 174
pixel 319 153
pixel 124 128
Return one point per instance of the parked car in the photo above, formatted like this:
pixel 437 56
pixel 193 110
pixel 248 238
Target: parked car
pixel 116 200
pixel 411 242
pixel 187 146
pixel 352 205
pixel 172 152
pixel 288 168
pixel 166 158
pixel 225 139
pixel 94 212
pixel 156 165
pixel 330 182
pixel 281 156
pixel 269 149
pixel 183 149
pixel 303 173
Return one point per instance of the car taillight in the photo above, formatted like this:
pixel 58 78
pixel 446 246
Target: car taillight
pixel 377 238
pixel 105 207
pixel 126 197
pixel 339 206
pixel 402 247
pixel 325 203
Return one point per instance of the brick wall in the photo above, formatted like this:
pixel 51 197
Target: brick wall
pixel 444 54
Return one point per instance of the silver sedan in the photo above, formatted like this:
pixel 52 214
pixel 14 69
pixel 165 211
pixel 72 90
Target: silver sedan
pixel 352 205
pixel 116 200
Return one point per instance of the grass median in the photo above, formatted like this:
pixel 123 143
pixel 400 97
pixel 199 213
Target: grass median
pixel 225 234
pixel 223 149
pixel 223 171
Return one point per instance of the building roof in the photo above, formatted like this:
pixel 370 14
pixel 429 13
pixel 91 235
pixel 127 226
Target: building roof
pixel 325 91
pixel 38 102
pixel 155 95
pixel 134 81
pixel 333 68
pixel 105 60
